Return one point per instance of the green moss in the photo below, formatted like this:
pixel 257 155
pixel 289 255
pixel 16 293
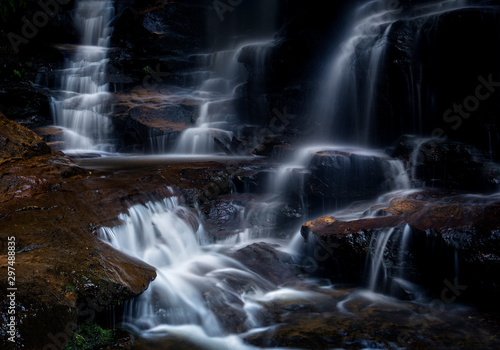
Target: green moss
pixel 17 73
pixel 69 289
pixel 89 337
pixel 10 6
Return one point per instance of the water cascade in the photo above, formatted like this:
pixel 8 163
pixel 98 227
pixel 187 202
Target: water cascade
pixel 220 76
pixel 196 281
pixel 81 106
pixel 350 99
pixel 206 294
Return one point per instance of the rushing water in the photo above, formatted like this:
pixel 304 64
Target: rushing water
pixel 82 104
pixel 217 294
pixel 220 75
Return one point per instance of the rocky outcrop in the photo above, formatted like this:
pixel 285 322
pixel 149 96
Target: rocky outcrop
pixel 54 207
pixel 144 115
pixel 63 272
pixel 452 236
pixel 17 142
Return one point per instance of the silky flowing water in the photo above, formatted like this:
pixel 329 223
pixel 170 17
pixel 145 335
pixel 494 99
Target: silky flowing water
pixel 258 287
pixel 208 296
pixel 82 102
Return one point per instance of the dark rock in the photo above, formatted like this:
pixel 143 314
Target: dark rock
pixel 268 144
pixel 338 177
pixel 268 262
pixel 27 105
pixel 447 164
pixel 143 115
pixel 220 215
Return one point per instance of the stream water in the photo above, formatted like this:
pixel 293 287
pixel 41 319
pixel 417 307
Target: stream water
pixel 251 289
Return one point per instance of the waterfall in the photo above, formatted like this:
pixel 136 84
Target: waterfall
pixel 378 275
pixel 387 260
pixel 81 106
pixel 337 172
pixel 217 120
pixel 350 96
pixel 221 75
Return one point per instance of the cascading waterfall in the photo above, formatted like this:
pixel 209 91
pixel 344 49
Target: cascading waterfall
pixel 393 170
pixel 197 278
pixel 220 76
pixel 82 105
pixel 346 103
pixel 193 276
pixel 217 120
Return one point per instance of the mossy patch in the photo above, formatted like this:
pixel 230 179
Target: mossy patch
pixel 89 337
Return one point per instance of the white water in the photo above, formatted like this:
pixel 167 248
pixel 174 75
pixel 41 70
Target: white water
pixel 82 105
pixel 193 277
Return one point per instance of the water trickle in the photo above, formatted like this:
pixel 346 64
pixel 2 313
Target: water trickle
pixel 82 104
pixel 377 270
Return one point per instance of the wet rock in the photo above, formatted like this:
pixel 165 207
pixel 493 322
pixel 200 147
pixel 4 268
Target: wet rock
pixel 447 164
pixel 143 115
pixel 268 144
pixel 153 33
pixel 64 273
pixel 338 177
pixel 368 321
pixel 220 215
pixel 17 142
pixel 269 262
pixel 50 134
pixel 451 237
pixel 346 242
pixel 26 104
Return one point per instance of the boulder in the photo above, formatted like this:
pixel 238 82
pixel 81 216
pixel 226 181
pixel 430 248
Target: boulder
pixel 331 178
pixel 143 118
pixel 221 217
pixel 268 262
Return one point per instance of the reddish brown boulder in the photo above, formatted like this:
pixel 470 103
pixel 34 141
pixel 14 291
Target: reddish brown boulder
pixel 17 142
